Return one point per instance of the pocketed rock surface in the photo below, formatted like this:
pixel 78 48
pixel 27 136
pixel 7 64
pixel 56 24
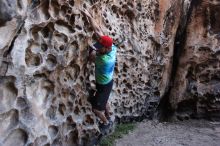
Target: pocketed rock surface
pixel 187 133
pixel 170 53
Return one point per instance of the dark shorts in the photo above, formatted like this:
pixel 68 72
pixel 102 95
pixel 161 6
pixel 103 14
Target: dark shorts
pixel 101 97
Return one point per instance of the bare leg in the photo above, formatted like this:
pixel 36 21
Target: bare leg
pixel 107 110
pixel 101 115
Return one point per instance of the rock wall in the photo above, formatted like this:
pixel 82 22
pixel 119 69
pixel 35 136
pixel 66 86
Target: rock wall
pixel 195 91
pixel 45 74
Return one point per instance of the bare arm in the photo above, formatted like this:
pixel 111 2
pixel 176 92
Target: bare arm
pixel 95 27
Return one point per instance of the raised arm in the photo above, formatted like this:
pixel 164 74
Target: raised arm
pixel 95 27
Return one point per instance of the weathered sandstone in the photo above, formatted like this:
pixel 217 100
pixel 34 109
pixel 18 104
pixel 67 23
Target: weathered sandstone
pixel 168 61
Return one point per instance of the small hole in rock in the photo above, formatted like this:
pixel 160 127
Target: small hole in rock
pixel 44 47
pixel 71 2
pixel 51 60
pixel 61 47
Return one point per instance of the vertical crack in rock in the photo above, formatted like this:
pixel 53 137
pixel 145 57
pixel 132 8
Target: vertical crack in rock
pixel 5 55
pixel 195 93
pixel 165 109
pixel 20 22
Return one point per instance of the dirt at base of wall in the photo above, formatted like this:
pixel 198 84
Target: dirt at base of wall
pixel 186 133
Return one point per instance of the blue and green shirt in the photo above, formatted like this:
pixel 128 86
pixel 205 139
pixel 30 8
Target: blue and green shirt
pixel 104 66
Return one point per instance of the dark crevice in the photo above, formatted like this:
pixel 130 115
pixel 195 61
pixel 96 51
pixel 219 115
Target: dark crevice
pixel 35 3
pixel 130 119
pixel 164 109
pixel 10 47
pixel 18 31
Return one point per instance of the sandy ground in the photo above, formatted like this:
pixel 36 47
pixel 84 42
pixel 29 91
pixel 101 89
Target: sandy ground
pixel 187 133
